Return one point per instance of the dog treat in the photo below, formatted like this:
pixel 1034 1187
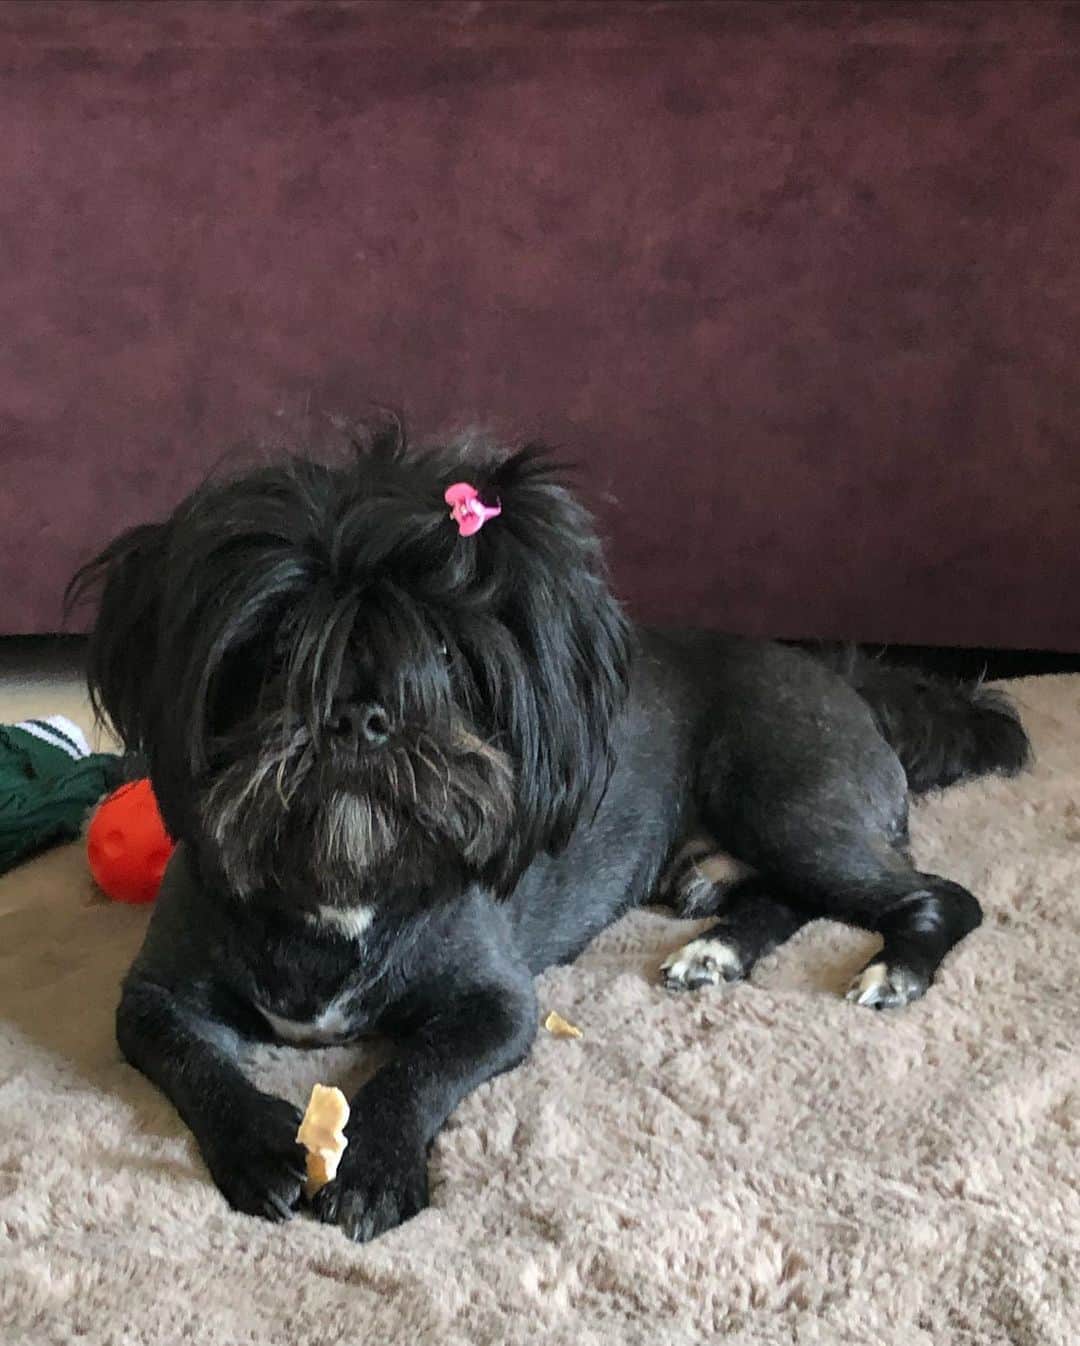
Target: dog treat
pixel 558 1027
pixel 322 1136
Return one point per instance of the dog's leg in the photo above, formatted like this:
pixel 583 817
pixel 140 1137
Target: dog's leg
pixel 840 861
pixel 863 880
pixel 449 1045
pixel 803 786
pixel 754 922
pixel 247 1138
pixel 919 927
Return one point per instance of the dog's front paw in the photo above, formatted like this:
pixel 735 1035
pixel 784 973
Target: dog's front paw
pixel 378 1186
pixel 257 1163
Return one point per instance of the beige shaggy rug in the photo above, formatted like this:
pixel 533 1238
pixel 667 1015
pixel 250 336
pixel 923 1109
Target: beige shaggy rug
pixel 767 1162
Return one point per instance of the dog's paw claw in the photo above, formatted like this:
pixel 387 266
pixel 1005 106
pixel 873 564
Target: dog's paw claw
pixel 259 1168
pixel 703 962
pixel 367 1199
pixel 884 986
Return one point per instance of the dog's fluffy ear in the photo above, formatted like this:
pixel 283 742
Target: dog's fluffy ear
pixel 556 695
pixel 127 578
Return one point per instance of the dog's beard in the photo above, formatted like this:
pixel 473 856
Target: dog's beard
pixel 312 827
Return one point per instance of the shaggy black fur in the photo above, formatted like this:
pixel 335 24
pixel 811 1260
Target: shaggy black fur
pixel 409 769
pixel 943 732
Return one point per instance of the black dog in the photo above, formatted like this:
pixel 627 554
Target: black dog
pixel 414 755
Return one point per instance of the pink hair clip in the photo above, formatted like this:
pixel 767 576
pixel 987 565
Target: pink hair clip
pixel 467 509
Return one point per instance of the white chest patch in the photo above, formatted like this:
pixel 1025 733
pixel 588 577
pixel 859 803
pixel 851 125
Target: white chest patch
pixel 333 1024
pixel 351 922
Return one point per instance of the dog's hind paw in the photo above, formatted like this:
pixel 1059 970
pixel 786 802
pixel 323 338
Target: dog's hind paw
pixel 703 962
pixel 887 986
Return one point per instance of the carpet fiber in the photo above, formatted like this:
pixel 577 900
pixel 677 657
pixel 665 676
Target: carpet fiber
pixel 764 1161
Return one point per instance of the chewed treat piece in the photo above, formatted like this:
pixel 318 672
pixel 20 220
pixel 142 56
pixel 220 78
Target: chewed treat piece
pixel 559 1027
pixel 322 1134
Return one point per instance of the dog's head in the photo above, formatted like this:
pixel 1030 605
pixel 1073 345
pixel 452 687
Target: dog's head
pixel 342 692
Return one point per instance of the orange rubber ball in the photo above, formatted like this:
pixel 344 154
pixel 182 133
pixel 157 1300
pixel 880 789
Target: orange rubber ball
pixel 127 845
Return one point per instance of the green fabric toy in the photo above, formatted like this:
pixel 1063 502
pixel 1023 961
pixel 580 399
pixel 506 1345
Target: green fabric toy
pixel 49 782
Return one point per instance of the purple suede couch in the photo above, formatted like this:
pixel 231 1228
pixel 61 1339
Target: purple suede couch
pixel 798 285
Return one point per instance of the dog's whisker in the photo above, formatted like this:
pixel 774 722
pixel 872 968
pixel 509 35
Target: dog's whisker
pixel 439 765
pixel 405 761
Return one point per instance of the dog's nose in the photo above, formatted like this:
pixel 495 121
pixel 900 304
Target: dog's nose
pixel 368 723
